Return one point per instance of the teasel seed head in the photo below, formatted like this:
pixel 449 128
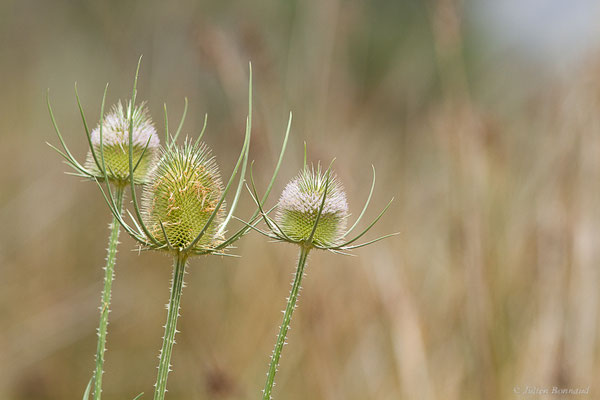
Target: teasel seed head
pixel 115 139
pixel 299 206
pixel 182 192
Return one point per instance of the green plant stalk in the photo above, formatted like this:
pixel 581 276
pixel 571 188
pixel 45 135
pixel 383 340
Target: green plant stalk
pixel 164 365
pixel 285 325
pixel 106 293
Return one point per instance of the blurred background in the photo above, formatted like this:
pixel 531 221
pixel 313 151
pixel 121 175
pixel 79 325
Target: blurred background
pixel 480 117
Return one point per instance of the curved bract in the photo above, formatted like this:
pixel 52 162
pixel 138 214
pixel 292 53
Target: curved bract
pixel 182 192
pixel 312 212
pixel 184 199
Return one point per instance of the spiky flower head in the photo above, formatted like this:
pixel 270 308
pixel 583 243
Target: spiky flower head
pixel 183 191
pixel 115 149
pixel 299 206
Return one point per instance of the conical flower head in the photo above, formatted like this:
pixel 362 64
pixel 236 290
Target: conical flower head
pixel 184 190
pixel 299 206
pixel 115 138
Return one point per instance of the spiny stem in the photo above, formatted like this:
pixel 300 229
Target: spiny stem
pixel 285 325
pixel 171 326
pixel 105 306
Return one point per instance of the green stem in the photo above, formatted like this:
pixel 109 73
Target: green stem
pixel 285 325
pixel 105 305
pixel 164 365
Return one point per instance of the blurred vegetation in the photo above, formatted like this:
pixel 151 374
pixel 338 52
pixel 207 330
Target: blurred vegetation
pixel 493 161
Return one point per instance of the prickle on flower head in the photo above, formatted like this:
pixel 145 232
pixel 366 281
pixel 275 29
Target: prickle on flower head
pixel 182 193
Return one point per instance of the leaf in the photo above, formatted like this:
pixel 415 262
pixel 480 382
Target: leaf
pixel 88 389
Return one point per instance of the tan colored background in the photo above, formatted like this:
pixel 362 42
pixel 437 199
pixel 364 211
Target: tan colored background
pixel 492 155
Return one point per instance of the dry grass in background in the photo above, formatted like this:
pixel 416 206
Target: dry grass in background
pixel 495 169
